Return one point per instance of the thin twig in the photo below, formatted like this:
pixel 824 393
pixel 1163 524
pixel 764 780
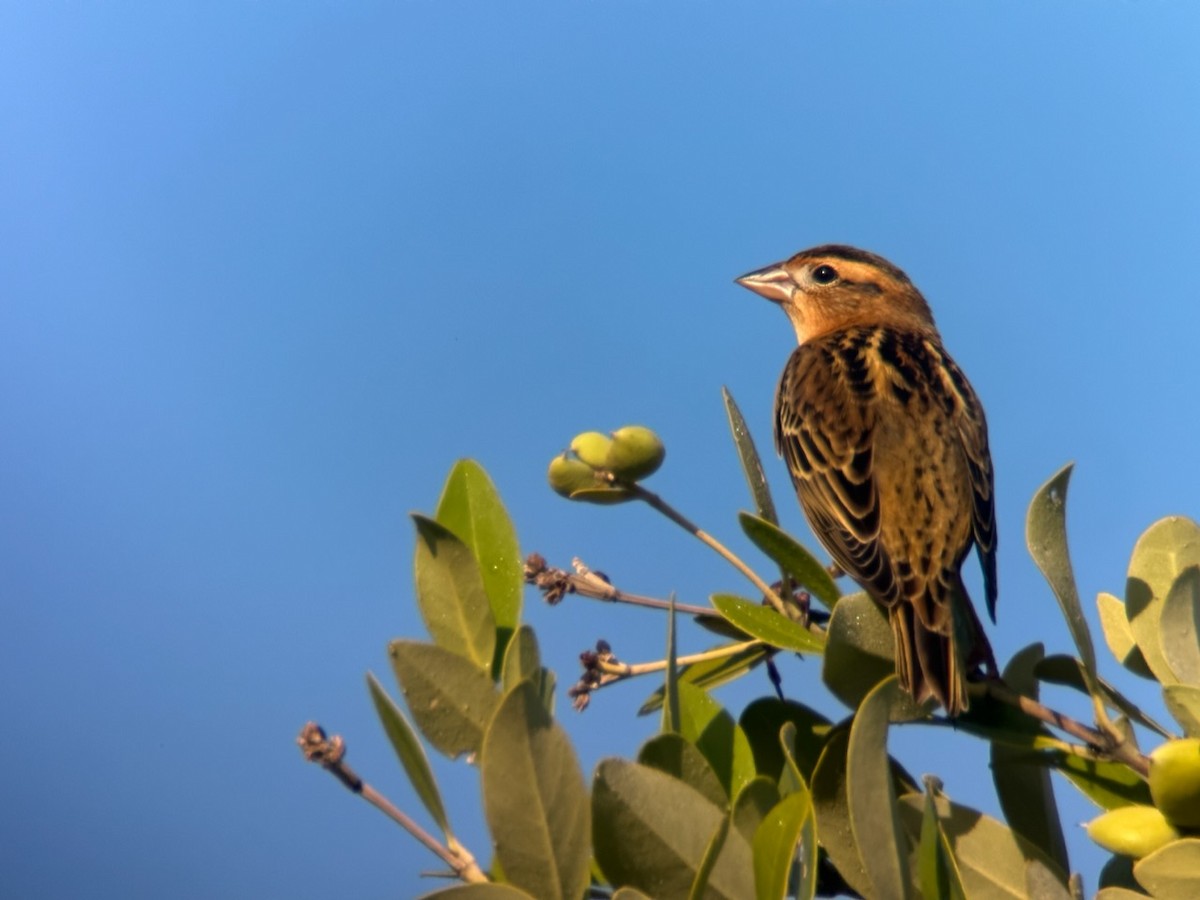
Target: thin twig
pixel 1101 742
pixel 728 555
pixel 631 670
pixel 330 754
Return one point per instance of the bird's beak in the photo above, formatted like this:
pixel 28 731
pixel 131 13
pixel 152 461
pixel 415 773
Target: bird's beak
pixel 773 282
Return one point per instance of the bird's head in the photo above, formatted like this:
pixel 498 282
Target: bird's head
pixel 832 287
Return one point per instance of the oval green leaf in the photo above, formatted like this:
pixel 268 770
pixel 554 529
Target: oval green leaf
pixel 761 722
pixel 705 723
pixel 991 860
pixel 833 813
pixel 1172 871
pixel 535 799
pixel 1183 703
pixel 711 854
pixel 450 698
pixel 651 832
pixel 775 845
pixel 471 507
pixel 1027 796
pixel 1179 626
pixel 859 654
pixel 672 754
pixel 1119 635
pixel 753 802
pixel 450 594
pixel 1161 554
pixel 764 623
pixel 410 753
pixel 871 798
pixel 752 465
pixel 1046 535
pixel 937 870
pixel 791 556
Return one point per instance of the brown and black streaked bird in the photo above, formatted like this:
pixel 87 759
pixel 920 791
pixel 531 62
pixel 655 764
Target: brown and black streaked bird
pixel 887 448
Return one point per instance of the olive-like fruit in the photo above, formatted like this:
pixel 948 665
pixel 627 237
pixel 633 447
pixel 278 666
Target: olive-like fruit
pixel 592 448
pixel 567 475
pixel 636 452
pixel 1175 781
pixel 1135 831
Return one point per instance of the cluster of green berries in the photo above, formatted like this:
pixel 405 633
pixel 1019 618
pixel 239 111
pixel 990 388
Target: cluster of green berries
pixel 1139 830
pixel 599 468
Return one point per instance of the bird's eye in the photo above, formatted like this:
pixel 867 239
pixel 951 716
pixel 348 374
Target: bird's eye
pixel 824 275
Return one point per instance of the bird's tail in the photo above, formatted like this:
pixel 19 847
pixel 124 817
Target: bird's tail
pixel 934 660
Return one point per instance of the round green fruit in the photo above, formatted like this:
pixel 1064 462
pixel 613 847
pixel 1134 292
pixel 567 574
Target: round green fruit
pixel 592 448
pixel 636 452
pixel 567 475
pixel 1135 831
pixel 1175 781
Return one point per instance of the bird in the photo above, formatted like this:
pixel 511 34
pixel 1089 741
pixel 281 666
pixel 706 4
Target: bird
pixel 887 447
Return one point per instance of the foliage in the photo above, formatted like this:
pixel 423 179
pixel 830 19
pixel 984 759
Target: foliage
pixel 783 800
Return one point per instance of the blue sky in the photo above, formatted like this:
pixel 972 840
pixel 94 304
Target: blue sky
pixel 268 269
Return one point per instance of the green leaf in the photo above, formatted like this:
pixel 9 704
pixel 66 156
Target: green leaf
pixel 471 508
pixel 1046 535
pixel 1172 871
pixel 766 624
pixel 1161 554
pixel 451 699
pixel 628 893
pixel 991 860
pixel 522 658
pixel 711 854
pixel 1027 797
pixel 1107 784
pixel 478 892
pixel 791 780
pixel 775 845
pixel 833 813
pixel 860 653
pixel 1183 703
pixel 705 723
pixel 450 594
pixel 410 753
pixel 711 673
pixel 1118 893
pixel 651 832
pixel 672 754
pixel 1119 635
pixel 792 557
pixel 761 722
pixel 671 713
pixel 871 797
pixel 1179 625
pixel 752 466
pixel 1066 670
pixel 754 801
pixel 522 662
pixel 937 870
pixel 535 799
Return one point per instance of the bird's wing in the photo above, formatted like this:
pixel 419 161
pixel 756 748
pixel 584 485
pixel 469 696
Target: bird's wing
pixel 823 428
pixel 972 435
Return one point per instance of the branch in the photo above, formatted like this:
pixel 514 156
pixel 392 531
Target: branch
pixel 554 583
pixel 330 753
pixel 602 668
pixel 687 525
pixel 1104 743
